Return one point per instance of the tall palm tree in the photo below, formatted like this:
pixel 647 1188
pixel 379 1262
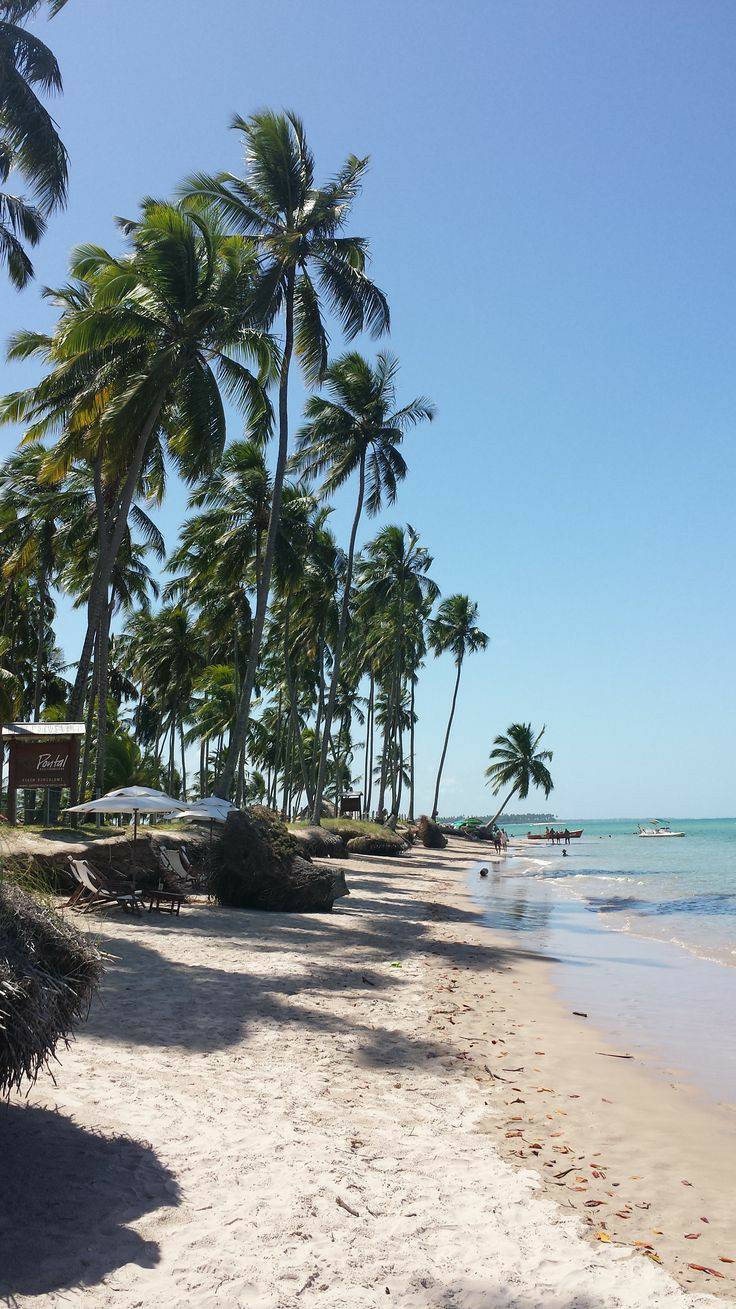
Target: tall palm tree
pixel 33 521
pixel 152 341
pixel 517 759
pixel 453 629
pixel 298 231
pixel 356 428
pixel 393 585
pixel 29 140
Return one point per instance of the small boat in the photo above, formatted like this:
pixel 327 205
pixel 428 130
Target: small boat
pixel 553 835
pixel 658 828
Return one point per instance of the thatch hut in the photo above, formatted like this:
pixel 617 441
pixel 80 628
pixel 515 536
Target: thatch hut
pixel 48 975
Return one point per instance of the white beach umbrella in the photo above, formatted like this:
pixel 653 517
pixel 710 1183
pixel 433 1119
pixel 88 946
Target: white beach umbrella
pixel 156 802
pixel 139 791
pixel 212 809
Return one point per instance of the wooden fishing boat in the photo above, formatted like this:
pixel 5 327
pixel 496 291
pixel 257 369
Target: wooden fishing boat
pixel 555 835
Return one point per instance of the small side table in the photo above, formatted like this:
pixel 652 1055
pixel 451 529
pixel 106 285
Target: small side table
pixel 164 902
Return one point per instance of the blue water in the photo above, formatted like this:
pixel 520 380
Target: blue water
pixel 681 891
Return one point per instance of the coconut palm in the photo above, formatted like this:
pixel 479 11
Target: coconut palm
pixel 34 520
pixel 393 586
pixel 453 628
pixel 298 231
pixel 144 350
pixel 29 141
pixel 517 760
pixel 356 428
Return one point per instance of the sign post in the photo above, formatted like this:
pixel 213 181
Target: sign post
pixel 41 755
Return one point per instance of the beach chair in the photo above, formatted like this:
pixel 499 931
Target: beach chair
pixel 171 862
pixel 95 893
pixel 80 892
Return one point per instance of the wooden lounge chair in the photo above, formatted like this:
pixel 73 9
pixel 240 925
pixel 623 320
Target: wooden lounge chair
pixel 95 893
pixel 172 863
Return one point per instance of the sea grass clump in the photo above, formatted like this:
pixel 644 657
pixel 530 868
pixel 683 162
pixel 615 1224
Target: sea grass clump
pixel 48 975
pixel 257 864
pixel 388 843
pixel 430 834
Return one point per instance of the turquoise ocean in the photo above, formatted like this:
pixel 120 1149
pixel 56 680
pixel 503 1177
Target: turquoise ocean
pixel 679 890
pixel 641 934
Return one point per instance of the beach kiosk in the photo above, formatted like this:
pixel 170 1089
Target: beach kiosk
pixel 351 805
pixel 42 756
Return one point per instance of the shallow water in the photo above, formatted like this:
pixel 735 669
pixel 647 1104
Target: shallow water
pixel 679 890
pixel 647 996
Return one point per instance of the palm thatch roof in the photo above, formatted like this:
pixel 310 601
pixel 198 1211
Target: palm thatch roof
pixel 48 975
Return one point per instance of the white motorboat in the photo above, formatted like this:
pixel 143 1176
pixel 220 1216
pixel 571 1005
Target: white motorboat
pixel 658 829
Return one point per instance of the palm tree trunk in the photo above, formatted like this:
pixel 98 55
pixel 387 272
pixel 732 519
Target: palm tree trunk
pixel 40 641
pixel 102 661
pixel 89 718
pixel 320 706
pixel 109 547
pixel 411 751
pixel 293 704
pixel 435 804
pixel 400 785
pixel 224 784
pixel 368 758
pixel 498 812
pixel 183 762
pixel 202 767
pixel 342 629
pixel 172 750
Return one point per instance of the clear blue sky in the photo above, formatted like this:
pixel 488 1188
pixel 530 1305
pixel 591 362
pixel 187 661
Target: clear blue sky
pixel 551 207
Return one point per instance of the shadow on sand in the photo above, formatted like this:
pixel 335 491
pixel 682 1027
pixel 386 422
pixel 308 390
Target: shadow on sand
pixel 68 1195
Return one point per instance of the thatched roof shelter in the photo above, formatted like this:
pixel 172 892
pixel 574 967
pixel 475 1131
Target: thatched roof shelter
pixel 48 975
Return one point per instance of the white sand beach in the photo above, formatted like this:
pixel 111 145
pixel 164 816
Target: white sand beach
pixel 284 1111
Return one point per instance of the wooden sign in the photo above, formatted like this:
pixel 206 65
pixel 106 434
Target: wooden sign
pixel 42 763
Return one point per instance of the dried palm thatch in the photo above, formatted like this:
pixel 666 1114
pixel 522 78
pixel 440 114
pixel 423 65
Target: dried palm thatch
pixel 257 864
pixel 430 834
pixel 48 975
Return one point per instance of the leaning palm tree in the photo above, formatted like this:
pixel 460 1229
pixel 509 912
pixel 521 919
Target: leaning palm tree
pixel 298 230
pixel 453 629
pixel 29 141
pixel 516 760
pixel 357 428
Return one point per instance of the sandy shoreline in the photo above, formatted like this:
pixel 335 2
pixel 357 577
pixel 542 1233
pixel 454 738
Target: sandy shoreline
pixel 285 1111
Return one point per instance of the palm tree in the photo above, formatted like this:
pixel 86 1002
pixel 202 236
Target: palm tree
pixel 355 429
pixel 144 349
pixel 516 759
pixel 32 522
pixel 393 587
pixel 29 141
pixel 297 228
pixel 454 628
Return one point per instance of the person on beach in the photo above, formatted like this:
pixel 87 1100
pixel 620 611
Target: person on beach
pixel 567 836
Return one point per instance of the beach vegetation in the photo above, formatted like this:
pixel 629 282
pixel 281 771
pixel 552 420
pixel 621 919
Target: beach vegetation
pixel 285 659
pixel 31 149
